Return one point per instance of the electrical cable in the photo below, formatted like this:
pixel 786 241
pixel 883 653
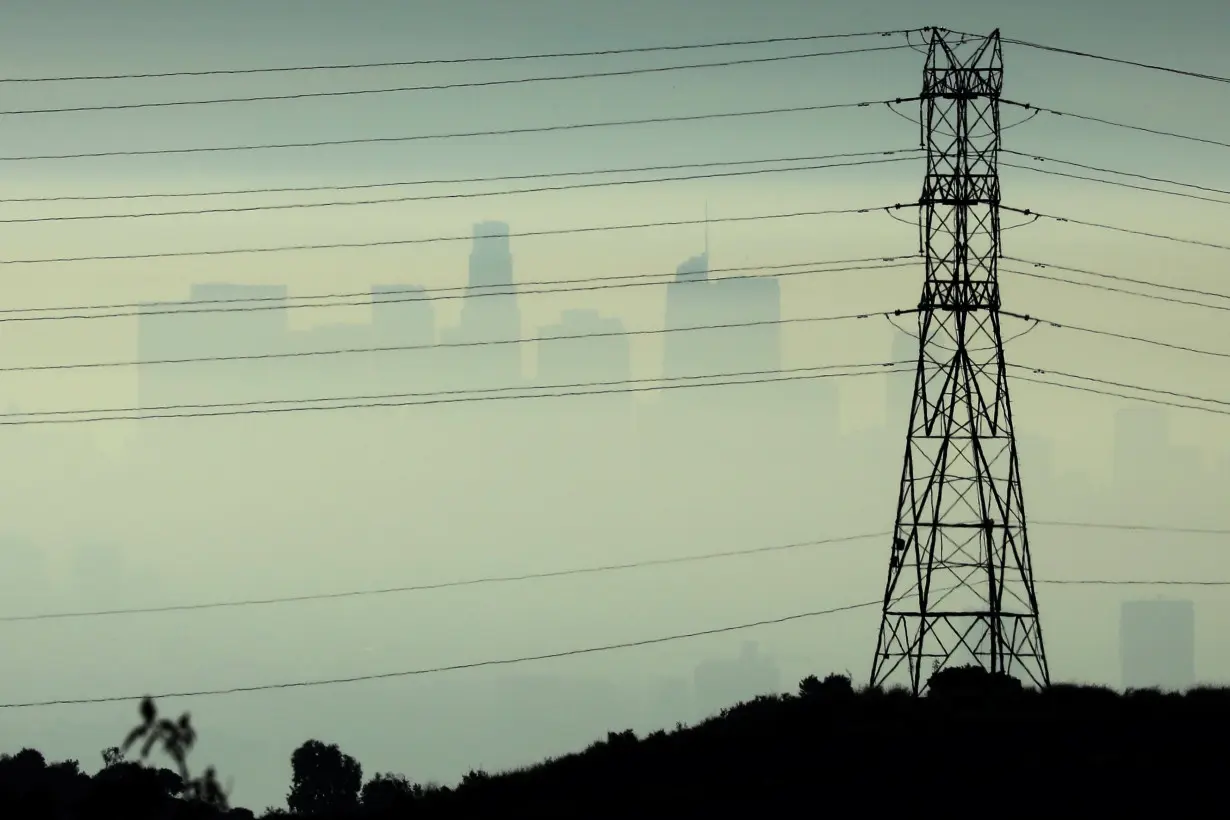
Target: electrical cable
pixel 660 384
pixel 538 129
pixel 459 60
pixel 1116 183
pixel 474 391
pixel 458 180
pixel 1118 60
pixel 879 602
pixel 189 307
pixel 1141 128
pixel 1211 293
pixel 590 570
pixel 1143 399
pixel 1112 335
pixel 431 239
pixel 296 354
pixel 1146 178
pixel 1048 372
pixel 1151 296
pixel 1117 229
pixel 456 667
pixel 457 195
pixel 354 92
pixel 490 579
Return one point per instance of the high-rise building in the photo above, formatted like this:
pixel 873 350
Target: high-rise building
pixel 1157 641
pixel 694 300
pixel 177 330
pixel 601 357
pixel 404 313
pixel 489 313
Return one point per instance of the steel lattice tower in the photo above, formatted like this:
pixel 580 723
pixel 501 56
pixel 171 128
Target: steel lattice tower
pixel 960 584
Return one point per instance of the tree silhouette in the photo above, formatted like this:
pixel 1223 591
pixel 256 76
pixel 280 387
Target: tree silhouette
pixel 388 793
pixel 323 779
pixel 177 738
pixel 833 686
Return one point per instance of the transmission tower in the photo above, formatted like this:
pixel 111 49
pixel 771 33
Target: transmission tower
pixel 960 584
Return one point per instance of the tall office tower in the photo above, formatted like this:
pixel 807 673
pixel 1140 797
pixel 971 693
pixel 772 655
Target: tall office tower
pixel 1157 643
pixel 404 313
pixel 694 300
pixel 171 330
pixel 403 316
pixel 489 313
pixel 602 357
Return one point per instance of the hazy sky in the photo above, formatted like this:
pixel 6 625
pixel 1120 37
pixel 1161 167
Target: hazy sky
pixel 154 525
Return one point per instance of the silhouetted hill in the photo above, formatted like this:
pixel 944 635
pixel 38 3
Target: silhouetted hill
pixel 974 744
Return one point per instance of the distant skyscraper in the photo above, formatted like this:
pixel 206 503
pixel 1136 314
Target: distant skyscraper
pixel 694 300
pixel 404 313
pixel 176 330
pixel 601 358
pixel 489 313
pixel 1158 644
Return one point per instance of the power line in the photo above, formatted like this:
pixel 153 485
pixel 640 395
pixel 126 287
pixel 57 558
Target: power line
pixel 590 570
pixel 456 180
pixel 434 393
pixel 429 239
pixel 455 195
pixel 1110 289
pixel 472 665
pixel 1046 372
pixel 1134 528
pixel 1116 183
pixel 1117 229
pixel 1040 158
pixel 1131 583
pixel 1119 60
pixel 1111 334
pixel 583 284
pixel 296 354
pixel 660 384
pixel 1146 282
pixel 490 579
pixel 1141 128
pixel 460 60
pixel 456 667
pixel 538 129
pixel 354 92
pixel 1130 397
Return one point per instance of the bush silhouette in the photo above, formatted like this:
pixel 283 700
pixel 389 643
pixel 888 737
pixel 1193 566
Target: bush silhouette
pixel 968 682
pixel 388 792
pixel 833 686
pixel 324 780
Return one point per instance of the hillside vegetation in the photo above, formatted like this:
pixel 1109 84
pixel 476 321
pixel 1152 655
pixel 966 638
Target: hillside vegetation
pixel 975 744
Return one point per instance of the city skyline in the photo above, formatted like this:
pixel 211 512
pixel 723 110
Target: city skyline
pixel 367 544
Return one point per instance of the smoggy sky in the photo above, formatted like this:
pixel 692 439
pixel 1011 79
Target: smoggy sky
pixel 54 38
pixel 42 38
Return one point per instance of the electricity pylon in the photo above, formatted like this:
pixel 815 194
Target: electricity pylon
pixel 960 584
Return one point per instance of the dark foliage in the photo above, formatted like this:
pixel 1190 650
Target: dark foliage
pixel 324 780
pixel 975 740
pixel 177 738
